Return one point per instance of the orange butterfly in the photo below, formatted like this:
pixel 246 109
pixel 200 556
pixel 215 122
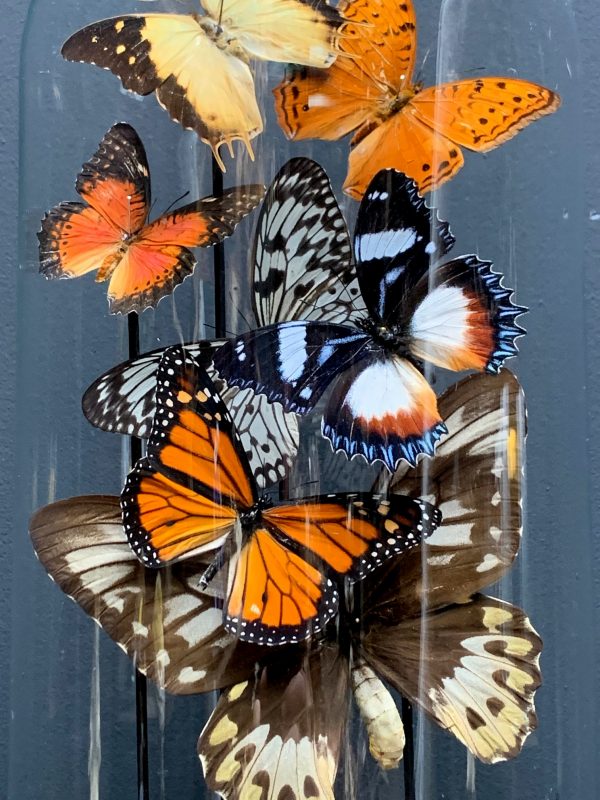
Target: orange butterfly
pixel 396 123
pixel 195 491
pixel 110 233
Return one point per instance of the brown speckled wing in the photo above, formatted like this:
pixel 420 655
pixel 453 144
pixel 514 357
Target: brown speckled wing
pixel 171 629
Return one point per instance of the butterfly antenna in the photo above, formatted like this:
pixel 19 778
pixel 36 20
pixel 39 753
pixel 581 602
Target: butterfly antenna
pixel 174 203
pixel 221 12
pixel 220 333
pixel 419 76
pixel 240 313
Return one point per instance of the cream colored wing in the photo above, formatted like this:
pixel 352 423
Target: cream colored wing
pixel 291 31
pixel 202 87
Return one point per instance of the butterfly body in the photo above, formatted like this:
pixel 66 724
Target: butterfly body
pixel 455 314
pixel 110 233
pixel 194 493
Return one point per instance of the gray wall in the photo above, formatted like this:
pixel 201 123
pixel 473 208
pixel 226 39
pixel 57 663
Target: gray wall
pixel 549 249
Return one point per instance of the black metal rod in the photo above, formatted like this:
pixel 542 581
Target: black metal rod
pixel 409 751
pixel 219 262
pixel 141 688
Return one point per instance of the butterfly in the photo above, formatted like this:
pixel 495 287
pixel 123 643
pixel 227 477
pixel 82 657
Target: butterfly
pixel 455 315
pixel 194 492
pixel 197 65
pixel 174 631
pixel 470 661
pixel 109 232
pixel 302 269
pixel 396 122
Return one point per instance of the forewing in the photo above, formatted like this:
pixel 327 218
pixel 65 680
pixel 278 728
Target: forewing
pixel 123 400
pixel 269 436
pixel 474 668
pixel 396 239
pixel 482 113
pixel 193 441
pixel 353 534
pixel 278 735
pixel 116 179
pixel 475 480
pixel 303 267
pixel 295 31
pixel 74 240
pixel 171 630
pixel 292 363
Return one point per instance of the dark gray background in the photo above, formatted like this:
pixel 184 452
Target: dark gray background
pixel 531 207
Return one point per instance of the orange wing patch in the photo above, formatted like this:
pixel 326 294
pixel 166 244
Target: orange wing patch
pixel 405 143
pixel 165 521
pixel 396 123
pixel 276 596
pixel 197 453
pixel 482 114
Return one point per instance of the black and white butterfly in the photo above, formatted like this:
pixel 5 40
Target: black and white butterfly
pixel 470 661
pixel 455 315
pixel 302 269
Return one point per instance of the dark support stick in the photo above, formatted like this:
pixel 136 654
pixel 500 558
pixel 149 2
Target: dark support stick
pixel 409 751
pixel 219 262
pixel 141 689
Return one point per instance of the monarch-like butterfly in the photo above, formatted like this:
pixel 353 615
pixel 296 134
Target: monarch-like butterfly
pixel 396 122
pixel 470 661
pixel 109 232
pixel 455 315
pixel 302 269
pixel 195 491
pixel 174 632
pixel 197 65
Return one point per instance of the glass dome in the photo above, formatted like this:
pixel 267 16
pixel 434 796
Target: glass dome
pixel 92 723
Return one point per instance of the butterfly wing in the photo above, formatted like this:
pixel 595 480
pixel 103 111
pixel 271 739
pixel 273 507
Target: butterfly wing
pixel 294 31
pixel 378 47
pixel 475 480
pixel 171 630
pixel 396 239
pixel 405 143
pixel 200 85
pixel 115 183
pixel 398 419
pixel 302 259
pixel 123 400
pixel 283 584
pixel 466 320
pixel 482 113
pixel 292 363
pixel 184 498
pixel 476 675
pixel 279 734
pixel 159 259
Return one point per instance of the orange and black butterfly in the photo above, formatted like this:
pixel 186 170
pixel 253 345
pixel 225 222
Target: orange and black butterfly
pixel 195 492
pixel 397 123
pixel 110 233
